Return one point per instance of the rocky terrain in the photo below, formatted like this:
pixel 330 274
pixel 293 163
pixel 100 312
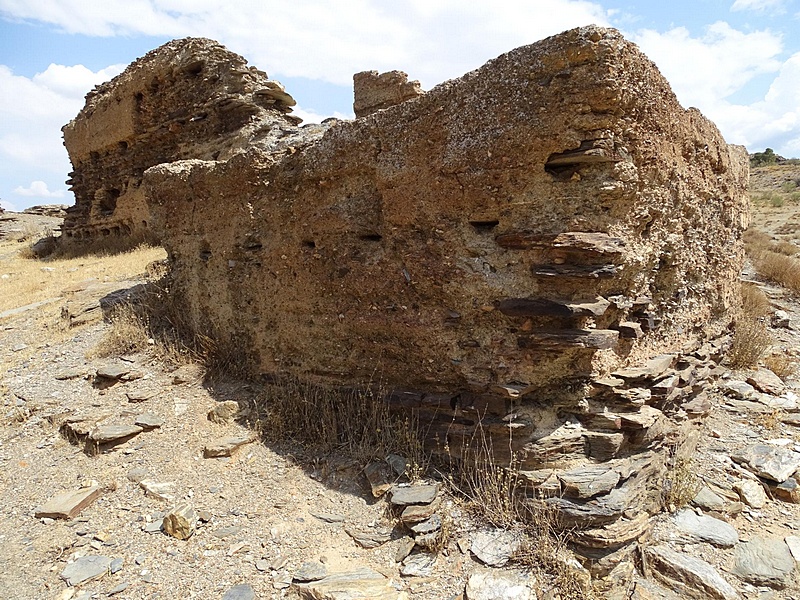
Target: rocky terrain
pixel 267 517
pixel 598 370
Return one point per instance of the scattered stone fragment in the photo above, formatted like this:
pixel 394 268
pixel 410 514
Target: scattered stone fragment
pixel 154 527
pixel 329 517
pixel 398 464
pixel 180 522
pixel 770 462
pixel 140 394
pixel 311 570
pixel 428 526
pixel 415 494
pixel 766 381
pixel 18 347
pixel 404 547
pixel 136 475
pixel 589 481
pixel 226 446
pixel 752 493
pixel 224 412
pixel 224 532
pixel 693 577
pixel 161 490
pixel 420 564
pixel 262 565
pixel 793 543
pixel 414 513
pixel 706 529
pixel 787 491
pixel 103 434
pixel 118 589
pixel 708 500
pixel 739 389
pixel 73 373
pixel 652 369
pixel 764 561
pixel 116 565
pixel 370 538
pixel 494 547
pixel 362 583
pixel 113 372
pixel 495 585
pixel 149 421
pixel 242 591
pixel 381 477
pixel 69 504
pixel 780 320
pixel 85 569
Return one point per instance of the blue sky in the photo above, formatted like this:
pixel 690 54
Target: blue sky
pixel 738 61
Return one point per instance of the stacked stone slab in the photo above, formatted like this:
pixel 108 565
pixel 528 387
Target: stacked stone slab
pixel 545 251
pixel 190 98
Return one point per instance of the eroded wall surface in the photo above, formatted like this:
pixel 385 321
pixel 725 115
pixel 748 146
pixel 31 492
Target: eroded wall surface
pixel 190 98
pixel 547 248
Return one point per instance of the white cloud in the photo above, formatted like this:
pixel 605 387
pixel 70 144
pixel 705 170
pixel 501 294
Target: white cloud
pixel 32 112
pixel 38 189
pixel 723 61
pixel 8 206
pixel 703 70
pixel 310 116
pixel 431 39
pixel 757 5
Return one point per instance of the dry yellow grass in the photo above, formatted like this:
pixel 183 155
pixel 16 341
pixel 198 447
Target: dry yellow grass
pixel 779 268
pixel 25 281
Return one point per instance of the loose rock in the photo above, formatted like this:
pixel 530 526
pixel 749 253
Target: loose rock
pixel 494 548
pixel 180 522
pixel 69 504
pixel 765 561
pixel 499 585
pixel 85 569
pixel 706 529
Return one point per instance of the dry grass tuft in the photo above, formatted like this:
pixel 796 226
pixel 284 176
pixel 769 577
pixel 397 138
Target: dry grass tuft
pixel 779 268
pixel 681 484
pixel 356 423
pixel 774 260
pixel 151 323
pixel 494 494
pixel 782 365
pixel 751 338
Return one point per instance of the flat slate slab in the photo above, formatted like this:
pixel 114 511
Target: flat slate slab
pixel 415 494
pixel 706 529
pixel 149 421
pixel 361 583
pixel 226 446
pixel 690 574
pixel 764 561
pixel 69 504
pixel 86 568
pixel 104 434
pixel 771 462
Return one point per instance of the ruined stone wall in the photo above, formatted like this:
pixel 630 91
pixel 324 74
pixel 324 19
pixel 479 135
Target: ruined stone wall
pixel 190 98
pixel 548 216
pixel 548 248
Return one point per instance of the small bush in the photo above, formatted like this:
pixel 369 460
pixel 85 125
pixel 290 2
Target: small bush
pixel 779 268
pixel 680 485
pixel 751 338
pixel 782 365
pixel 353 422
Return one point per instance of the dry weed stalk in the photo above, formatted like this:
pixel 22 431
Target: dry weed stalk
pixel 494 494
pixel 751 338
pixel 355 422
pixel 782 365
pixel 680 484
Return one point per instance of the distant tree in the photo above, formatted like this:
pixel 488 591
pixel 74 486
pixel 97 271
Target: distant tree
pixel 762 159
